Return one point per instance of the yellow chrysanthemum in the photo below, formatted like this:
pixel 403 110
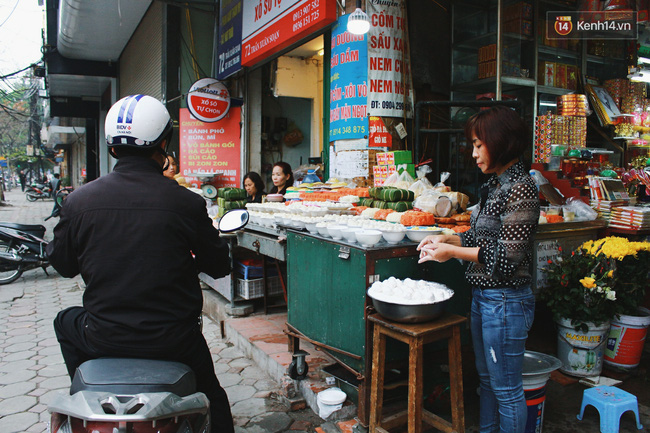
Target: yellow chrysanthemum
pixel 588 282
pixel 615 247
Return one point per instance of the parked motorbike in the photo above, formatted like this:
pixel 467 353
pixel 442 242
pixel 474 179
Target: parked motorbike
pixel 22 248
pixel 38 190
pixel 136 395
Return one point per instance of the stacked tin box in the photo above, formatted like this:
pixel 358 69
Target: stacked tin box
pixel 567 128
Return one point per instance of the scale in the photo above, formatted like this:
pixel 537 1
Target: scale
pixel 206 179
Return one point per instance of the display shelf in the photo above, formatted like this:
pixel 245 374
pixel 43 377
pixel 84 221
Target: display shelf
pixel 603 60
pixel 558 91
pixel 558 52
pixel 487 84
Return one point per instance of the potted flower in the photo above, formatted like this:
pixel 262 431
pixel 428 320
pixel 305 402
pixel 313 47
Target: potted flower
pixel 631 261
pixel 586 290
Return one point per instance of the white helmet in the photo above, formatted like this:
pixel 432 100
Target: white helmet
pixel 137 121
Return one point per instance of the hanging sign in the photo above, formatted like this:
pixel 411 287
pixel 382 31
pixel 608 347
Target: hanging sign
pixel 348 89
pixel 390 92
pixel 208 100
pixel 229 44
pixel 272 25
pixel 213 149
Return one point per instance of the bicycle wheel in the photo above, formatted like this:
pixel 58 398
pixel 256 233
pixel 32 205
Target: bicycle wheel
pixel 9 272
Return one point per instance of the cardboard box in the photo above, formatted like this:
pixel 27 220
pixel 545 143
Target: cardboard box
pixel 395 157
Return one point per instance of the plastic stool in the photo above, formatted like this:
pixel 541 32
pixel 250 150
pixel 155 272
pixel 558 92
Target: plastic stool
pixel 611 403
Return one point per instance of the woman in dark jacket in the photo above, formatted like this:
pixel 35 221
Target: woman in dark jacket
pixel 282 177
pixel 254 187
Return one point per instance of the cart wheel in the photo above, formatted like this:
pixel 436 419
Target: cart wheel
pixel 293 371
pixel 210 191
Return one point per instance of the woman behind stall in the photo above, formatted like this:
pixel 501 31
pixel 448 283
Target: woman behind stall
pixel 254 187
pixel 282 177
pixel 499 249
pixel 172 167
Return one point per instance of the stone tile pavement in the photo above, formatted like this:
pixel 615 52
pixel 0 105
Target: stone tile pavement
pixel 32 372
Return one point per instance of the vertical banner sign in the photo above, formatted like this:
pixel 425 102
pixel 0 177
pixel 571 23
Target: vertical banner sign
pixel 229 46
pixel 348 84
pixel 390 92
pixel 271 25
pixel 211 148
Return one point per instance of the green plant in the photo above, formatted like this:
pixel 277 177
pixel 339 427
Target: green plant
pixel 573 290
pixel 596 281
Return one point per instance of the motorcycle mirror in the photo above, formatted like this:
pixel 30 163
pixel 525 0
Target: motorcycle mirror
pixel 233 220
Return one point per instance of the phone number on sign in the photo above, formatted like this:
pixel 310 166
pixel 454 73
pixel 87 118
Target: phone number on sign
pixel 305 15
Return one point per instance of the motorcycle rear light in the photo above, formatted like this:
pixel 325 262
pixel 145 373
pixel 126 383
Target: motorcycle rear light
pixel 195 423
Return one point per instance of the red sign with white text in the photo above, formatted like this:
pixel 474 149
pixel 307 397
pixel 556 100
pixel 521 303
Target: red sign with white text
pixel 211 148
pixel 301 19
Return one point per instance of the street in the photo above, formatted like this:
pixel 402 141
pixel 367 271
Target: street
pixel 32 372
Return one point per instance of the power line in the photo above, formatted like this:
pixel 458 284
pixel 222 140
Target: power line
pixel 10 13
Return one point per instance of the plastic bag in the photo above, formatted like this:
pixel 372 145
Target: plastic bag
pixel 581 210
pixel 422 184
pixel 440 186
pixel 402 180
pixel 435 203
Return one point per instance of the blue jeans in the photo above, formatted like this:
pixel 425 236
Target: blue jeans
pixel 501 319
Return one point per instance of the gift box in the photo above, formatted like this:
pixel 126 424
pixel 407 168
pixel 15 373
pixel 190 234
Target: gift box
pixel 546 73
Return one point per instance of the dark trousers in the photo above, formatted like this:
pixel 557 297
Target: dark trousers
pixel 69 327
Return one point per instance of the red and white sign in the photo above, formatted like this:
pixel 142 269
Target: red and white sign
pixel 379 135
pixel 208 100
pixel 211 149
pixel 271 25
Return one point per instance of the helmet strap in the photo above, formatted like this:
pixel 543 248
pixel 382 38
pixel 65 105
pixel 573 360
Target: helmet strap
pixel 163 152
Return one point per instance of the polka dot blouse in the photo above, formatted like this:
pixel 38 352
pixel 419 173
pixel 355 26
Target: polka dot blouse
pixel 503 226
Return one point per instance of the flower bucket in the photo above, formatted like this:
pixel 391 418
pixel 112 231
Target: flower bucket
pixel 626 338
pixel 581 353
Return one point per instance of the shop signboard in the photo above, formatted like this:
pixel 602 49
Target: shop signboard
pixel 229 44
pixel 348 89
pixel 390 93
pixel 272 25
pixel 211 149
pixel 208 100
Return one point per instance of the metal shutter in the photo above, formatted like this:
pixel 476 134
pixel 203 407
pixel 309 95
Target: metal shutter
pixel 141 60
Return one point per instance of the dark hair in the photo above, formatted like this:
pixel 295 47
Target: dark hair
pixel 256 179
pixel 502 130
pixel 286 169
pixel 146 152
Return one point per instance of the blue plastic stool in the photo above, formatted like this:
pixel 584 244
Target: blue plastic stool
pixel 611 403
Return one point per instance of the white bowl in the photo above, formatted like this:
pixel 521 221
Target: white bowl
pixel 335 231
pixel 299 224
pixel 350 234
pixel 368 238
pixel 418 235
pixel 323 231
pixel 393 237
pixel 274 197
pixel 312 228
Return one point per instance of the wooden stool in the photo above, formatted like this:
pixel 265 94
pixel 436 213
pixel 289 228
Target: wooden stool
pixel 416 336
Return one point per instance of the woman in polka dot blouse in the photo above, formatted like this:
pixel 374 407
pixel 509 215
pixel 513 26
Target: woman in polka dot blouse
pixel 499 249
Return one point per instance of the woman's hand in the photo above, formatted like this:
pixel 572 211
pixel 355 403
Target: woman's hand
pixel 439 239
pixel 436 251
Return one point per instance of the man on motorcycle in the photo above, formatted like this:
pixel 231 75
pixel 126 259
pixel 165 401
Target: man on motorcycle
pixel 139 241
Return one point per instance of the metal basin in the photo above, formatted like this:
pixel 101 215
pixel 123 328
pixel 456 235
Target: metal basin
pixel 409 313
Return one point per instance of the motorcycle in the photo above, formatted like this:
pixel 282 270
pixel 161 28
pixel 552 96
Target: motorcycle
pixel 120 395
pixel 38 190
pixel 22 248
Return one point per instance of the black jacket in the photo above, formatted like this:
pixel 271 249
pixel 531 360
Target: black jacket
pixel 131 235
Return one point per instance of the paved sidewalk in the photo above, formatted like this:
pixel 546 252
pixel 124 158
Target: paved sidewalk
pixel 32 372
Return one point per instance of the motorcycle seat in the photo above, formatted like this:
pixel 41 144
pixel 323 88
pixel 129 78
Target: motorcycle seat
pixel 33 229
pixel 133 376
